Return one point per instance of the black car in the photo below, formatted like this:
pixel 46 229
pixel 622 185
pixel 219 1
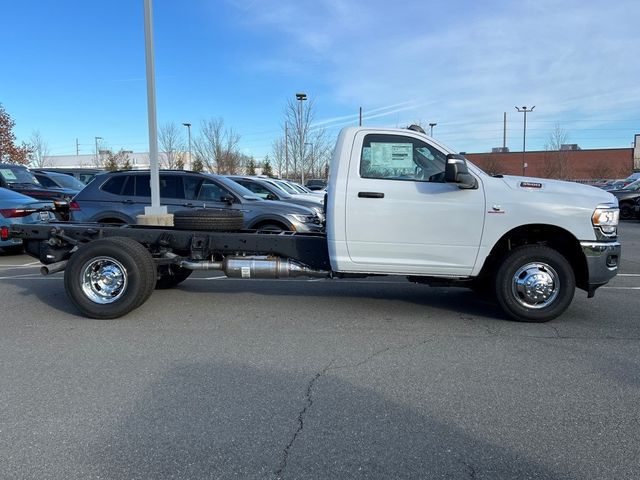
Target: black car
pixel 18 178
pixel 118 197
pixel 316 184
pixel 55 180
pixel 85 175
pixel 268 191
pixel 627 197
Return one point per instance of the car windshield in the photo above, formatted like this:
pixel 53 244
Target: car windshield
pixel 16 175
pixel 287 188
pixel 237 188
pixel 633 186
pixel 67 181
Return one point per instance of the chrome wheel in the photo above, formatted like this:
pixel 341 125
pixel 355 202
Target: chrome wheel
pixel 104 280
pixel 535 285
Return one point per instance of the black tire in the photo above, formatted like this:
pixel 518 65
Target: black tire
pixel 171 275
pixel 210 219
pixel 544 264
pixel 124 256
pixel 627 212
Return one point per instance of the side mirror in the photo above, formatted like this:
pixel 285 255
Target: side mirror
pixel 271 196
pixel 456 171
pixel 228 199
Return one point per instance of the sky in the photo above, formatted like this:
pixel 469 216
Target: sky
pixel 75 69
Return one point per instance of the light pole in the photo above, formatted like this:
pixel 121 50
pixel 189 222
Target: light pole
pixel 524 110
pixel 188 125
pixel 97 155
pixel 301 97
pixel 431 125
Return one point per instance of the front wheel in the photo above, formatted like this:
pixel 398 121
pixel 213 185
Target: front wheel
pixel 534 283
pixel 110 277
pixel 627 212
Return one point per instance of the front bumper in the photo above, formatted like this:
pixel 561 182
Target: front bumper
pixel 603 259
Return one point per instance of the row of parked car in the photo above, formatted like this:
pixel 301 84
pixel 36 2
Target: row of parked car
pixel 627 191
pixel 118 197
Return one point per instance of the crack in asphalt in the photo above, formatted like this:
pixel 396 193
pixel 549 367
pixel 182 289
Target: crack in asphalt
pixel 279 472
pixel 307 404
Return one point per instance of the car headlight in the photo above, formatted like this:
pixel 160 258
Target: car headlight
pixel 304 218
pixel 319 212
pixel 606 218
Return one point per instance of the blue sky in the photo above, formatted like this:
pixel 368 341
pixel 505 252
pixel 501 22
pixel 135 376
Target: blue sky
pixel 76 69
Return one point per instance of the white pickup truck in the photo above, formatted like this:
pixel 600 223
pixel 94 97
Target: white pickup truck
pixel 398 203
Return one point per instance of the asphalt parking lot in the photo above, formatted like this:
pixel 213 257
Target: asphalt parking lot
pixel 319 379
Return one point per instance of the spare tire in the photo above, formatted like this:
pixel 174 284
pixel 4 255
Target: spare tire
pixel 210 219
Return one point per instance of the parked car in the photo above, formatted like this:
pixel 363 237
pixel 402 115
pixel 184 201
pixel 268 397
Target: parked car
pixel 302 189
pixel 632 178
pixel 316 184
pixel 613 185
pixel 18 208
pixel 627 197
pixel 268 191
pixel 55 180
pixel 85 175
pixel 285 187
pixel 118 197
pixel 21 180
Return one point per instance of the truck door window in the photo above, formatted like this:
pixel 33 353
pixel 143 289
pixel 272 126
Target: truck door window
pixel 394 157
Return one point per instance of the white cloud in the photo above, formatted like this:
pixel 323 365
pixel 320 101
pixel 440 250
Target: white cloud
pixel 458 62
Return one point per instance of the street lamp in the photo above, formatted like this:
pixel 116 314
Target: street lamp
pixel 301 97
pixel 431 125
pixel 97 157
pixel 188 125
pixel 524 110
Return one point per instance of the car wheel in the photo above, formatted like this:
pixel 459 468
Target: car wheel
pixel 534 283
pixel 627 211
pixel 110 277
pixel 210 219
pixel 171 275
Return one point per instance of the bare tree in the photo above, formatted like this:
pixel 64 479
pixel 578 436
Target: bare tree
pixel 492 165
pixel 217 147
pixel 39 150
pixel 308 146
pixel 279 156
pixel 171 147
pixel 556 161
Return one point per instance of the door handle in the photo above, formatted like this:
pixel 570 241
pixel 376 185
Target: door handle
pixel 187 204
pixel 370 195
pixel 127 201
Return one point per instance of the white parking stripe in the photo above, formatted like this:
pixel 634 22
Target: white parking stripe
pixel 621 288
pixel 629 275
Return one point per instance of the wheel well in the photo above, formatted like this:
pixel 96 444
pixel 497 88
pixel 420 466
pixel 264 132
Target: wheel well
pixel 555 237
pixel 111 220
pixel 278 223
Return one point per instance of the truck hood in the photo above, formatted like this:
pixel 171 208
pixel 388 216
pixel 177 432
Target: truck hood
pixel 580 195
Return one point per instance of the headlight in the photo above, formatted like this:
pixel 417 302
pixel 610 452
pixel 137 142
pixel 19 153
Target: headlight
pixel 319 212
pixel 303 218
pixel 606 218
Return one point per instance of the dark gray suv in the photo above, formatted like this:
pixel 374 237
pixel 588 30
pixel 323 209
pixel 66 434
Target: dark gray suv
pixel 118 197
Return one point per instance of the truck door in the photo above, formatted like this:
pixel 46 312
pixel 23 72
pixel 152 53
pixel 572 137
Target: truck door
pixel 401 217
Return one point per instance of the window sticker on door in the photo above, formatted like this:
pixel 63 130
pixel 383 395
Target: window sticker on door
pixel 395 156
pixel 8 174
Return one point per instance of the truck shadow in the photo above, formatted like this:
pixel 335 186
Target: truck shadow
pixel 462 301
pixel 218 420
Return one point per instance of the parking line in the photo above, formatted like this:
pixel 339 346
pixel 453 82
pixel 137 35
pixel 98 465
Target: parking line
pixel 621 288
pixel 629 275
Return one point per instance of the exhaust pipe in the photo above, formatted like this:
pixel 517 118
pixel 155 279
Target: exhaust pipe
pixel 257 267
pixel 53 267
